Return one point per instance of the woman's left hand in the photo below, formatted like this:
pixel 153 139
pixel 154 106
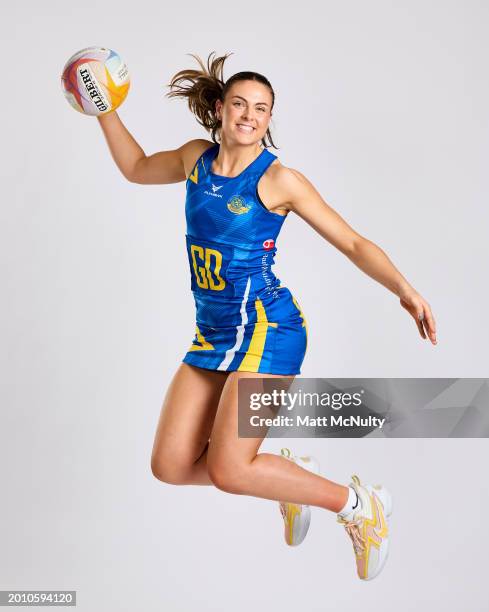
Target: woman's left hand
pixel 420 310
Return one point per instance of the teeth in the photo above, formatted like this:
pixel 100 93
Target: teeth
pixel 245 128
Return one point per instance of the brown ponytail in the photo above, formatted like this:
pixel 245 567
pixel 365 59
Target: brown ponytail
pixel 204 87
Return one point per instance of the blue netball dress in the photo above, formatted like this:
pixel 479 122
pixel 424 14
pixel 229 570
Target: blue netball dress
pixel 245 319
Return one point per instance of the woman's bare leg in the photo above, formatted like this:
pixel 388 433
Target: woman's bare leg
pixel 187 415
pixel 235 466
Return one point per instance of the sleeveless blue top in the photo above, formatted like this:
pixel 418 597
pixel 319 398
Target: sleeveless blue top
pixel 231 240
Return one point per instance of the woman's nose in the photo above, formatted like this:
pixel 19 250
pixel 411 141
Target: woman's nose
pixel 248 114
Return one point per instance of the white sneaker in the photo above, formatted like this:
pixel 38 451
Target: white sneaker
pixel 297 517
pixel 368 528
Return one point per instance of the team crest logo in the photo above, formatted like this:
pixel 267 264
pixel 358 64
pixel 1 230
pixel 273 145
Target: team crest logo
pixel 237 205
pixel 268 244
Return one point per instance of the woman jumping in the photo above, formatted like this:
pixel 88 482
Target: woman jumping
pixel 247 323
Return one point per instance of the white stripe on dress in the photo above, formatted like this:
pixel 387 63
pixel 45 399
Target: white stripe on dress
pixel 240 329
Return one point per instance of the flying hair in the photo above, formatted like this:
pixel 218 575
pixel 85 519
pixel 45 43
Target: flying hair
pixel 202 88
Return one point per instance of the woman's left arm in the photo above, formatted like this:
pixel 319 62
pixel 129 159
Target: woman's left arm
pixel 301 197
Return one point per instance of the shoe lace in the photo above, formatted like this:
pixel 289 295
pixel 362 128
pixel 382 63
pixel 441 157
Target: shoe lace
pixel 353 530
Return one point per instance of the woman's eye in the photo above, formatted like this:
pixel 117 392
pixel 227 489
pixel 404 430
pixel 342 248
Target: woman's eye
pixel 262 110
pixel 237 104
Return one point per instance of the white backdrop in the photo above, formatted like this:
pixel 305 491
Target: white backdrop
pixel 383 106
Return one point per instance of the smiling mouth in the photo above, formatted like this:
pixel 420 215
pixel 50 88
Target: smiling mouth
pixel 247 129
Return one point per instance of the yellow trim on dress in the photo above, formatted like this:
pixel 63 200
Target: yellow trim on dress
pixel 205 346
pixel 252 358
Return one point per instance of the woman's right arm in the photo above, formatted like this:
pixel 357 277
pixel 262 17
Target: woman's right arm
pixel 157 169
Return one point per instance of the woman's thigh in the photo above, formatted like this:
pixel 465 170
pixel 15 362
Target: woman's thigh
pixel 229 455
pixel 186 420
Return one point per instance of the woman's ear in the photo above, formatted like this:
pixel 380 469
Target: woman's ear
pixel 219 109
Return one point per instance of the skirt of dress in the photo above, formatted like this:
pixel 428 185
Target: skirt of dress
pixel 264 346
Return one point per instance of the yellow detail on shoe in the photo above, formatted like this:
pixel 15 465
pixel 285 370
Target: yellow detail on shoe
pixel 204 345
pixel 252 358
pixel 194 176
pixel 372 535
pixel 290 512
pixel 365 532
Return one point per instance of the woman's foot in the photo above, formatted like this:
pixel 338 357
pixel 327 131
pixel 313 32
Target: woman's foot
pixel 297 517
pixel 368 528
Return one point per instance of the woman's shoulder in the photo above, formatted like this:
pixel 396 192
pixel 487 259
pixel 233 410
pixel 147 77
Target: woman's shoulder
pixel 280 172
pixel 283 178
pixel 277 185
pixel 280 185
pixel 191 152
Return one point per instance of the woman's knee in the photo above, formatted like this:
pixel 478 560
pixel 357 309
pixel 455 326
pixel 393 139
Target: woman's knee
pixel 171 470
pixel 227 476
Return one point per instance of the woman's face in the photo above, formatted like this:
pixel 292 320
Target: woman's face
pixel 245 113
